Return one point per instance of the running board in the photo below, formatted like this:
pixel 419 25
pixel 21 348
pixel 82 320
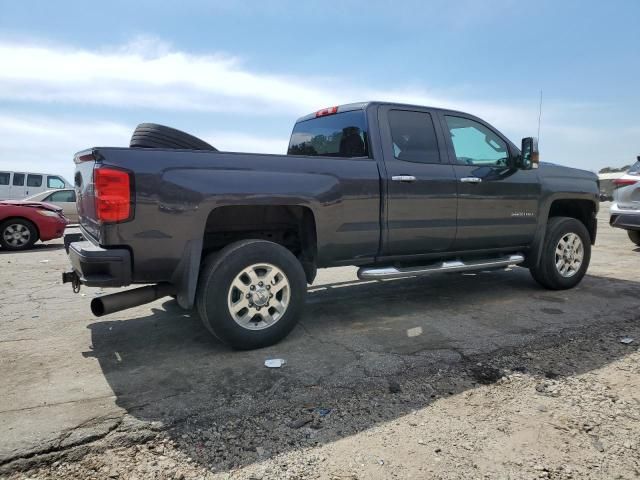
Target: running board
pixel 374 273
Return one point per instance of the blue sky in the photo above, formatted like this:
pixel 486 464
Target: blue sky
pixel 77 74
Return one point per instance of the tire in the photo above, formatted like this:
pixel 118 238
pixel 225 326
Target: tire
pixel 224 282
pixel 546 273
pixel 634 236
pixel 18 234
pixel 152 135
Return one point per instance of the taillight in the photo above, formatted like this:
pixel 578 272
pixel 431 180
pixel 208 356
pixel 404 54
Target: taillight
pixel 326 111
pixel 112 194
pixel 623 182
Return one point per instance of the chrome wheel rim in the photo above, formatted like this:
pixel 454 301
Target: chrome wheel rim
pixel 16 235
pixel 569 255
pixel 259 296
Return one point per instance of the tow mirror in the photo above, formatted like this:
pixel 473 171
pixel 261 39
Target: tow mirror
pixel 530 156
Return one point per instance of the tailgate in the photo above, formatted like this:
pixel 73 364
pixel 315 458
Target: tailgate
pixel 85 198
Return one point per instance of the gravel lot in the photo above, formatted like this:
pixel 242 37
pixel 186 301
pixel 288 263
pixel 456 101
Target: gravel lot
pixel 453 376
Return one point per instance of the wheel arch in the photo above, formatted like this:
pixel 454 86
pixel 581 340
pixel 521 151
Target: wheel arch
pixel 19 217
pixel 582 208
pixel 291 225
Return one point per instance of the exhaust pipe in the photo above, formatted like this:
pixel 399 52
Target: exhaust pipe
pixel 130 298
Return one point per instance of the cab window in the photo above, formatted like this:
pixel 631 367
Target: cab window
pixel 635 169
pixel 4 178
pixel 413 136
pixel 55 182
pixel 34 180
pixel 475 144
pixel 66 196
pixel 18 179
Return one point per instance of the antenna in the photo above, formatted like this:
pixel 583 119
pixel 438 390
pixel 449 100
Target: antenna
pixel 539 115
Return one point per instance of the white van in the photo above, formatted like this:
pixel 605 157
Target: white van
pixel 18 185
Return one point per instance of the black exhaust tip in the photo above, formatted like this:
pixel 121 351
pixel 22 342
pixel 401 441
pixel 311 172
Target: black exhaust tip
pixel 130 298
pixel 97 307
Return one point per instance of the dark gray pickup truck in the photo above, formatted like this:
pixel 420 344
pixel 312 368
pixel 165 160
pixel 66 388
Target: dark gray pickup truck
pixel 397 190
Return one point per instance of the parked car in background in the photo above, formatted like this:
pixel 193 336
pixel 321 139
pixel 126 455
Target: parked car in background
pixel 64 198
pixel 18 185
pixel 23 223
pixel 625 209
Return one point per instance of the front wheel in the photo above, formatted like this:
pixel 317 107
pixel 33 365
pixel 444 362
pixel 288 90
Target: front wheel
pixel 251 293
pixel 18 234
pixel 634 236
pixel 565 255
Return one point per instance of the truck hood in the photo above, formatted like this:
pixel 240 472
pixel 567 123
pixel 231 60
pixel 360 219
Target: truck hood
pixel 555 170
pixel 28 203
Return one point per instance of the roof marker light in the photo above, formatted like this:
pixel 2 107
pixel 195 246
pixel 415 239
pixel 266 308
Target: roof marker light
pixel 327 111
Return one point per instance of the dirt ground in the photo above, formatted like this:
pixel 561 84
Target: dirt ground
pixel 481 375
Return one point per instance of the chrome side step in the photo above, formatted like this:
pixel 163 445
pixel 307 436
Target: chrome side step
pixel 374 273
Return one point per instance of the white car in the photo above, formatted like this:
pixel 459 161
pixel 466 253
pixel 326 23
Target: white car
pixel 64 198
pixel 625 209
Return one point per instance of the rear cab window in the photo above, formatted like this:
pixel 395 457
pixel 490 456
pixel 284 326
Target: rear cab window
pixel 634 169
pixel 335 135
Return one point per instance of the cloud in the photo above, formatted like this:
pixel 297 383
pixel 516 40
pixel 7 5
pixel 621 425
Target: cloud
pixel 47 144
pixel 148 75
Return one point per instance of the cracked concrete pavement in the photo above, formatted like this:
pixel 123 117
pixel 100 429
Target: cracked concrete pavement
pixel 70 379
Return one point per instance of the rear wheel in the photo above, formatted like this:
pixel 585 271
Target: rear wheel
pixel 634 236
pixel 18 234
pixel 251 293
pixel 566 253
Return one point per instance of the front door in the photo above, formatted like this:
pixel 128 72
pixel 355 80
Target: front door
pixel 66 199
pixel 497 204
pixel 420 183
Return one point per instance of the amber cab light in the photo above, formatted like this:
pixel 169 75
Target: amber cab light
pixel 113 194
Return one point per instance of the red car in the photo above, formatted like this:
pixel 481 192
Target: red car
pixel 22 223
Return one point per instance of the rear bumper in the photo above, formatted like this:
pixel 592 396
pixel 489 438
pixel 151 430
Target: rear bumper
pixel 624 218
pixel 96 266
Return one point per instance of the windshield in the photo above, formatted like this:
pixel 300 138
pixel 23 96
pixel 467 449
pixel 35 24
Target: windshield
pixel 634 169
pixel 339 135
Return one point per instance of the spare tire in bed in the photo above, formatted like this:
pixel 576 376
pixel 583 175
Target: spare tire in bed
pixel 152 135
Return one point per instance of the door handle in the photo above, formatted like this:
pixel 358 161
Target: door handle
pixel 470 180
pixel 403 178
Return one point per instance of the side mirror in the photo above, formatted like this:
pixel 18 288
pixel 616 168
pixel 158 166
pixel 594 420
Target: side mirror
pixel 530 156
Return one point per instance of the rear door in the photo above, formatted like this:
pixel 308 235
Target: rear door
pixel 5 185
pixel 497 205
pixel 420 183
pixel 34 184
pixel 18 183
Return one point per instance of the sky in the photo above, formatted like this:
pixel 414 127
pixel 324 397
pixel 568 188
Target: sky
pixel 76 74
